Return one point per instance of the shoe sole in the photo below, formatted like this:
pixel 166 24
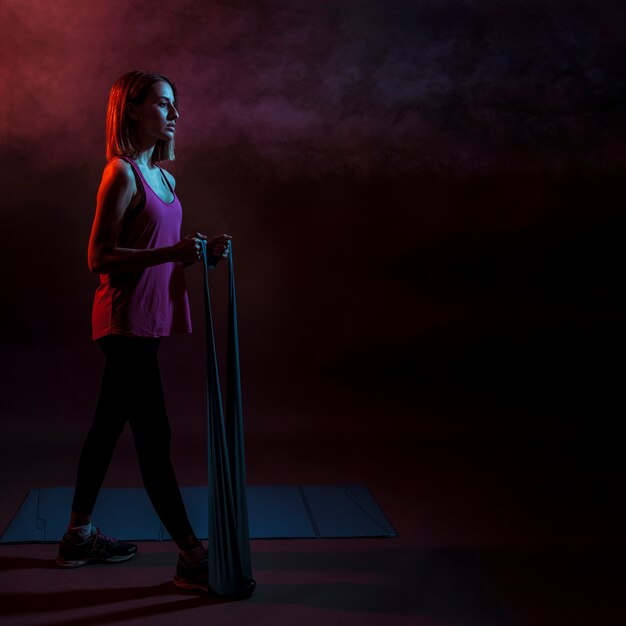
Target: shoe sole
pixel 187 585
pixel 246 593
pixel 81 562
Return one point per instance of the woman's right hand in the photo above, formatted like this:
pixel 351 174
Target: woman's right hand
pixel 188 250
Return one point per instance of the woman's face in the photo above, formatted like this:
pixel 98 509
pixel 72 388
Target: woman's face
pixel 156 116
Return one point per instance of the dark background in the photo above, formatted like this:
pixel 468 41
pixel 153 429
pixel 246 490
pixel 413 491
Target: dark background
pixel 426 200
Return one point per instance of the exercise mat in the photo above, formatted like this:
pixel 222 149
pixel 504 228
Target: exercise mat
pixel 275 512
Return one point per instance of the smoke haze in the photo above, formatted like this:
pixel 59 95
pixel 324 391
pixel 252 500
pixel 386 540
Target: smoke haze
pixel 410 185
pixel 364 87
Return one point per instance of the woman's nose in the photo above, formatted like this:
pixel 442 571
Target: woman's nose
pixel 173 114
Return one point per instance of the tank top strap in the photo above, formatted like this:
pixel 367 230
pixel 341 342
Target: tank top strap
pixel 142 188
pixel 135 168
pixel 166 180
pixel 146 188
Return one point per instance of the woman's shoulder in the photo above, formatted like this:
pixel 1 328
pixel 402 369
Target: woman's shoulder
pixel 119 173
pixel 119 166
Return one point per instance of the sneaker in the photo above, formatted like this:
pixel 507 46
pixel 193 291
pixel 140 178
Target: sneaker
pixel 196 578
pixel 192 577
pixel 98 548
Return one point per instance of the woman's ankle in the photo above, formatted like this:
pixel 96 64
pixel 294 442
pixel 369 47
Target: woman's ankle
pixel 79 519
pixel 196 555
pixel 188 543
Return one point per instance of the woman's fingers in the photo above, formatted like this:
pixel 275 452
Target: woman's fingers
pixel 217 247
pixel 196 236
pixel 221 249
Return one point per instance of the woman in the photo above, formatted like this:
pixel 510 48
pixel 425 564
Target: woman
pixel 135 247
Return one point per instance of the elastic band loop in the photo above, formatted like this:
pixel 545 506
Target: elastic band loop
pixel 230 570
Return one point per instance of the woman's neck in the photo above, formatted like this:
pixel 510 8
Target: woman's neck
pixel 145 156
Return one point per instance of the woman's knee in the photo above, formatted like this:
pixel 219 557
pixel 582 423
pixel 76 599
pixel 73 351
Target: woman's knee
pixel 154 442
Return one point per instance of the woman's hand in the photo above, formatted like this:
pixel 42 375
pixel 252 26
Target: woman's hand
pixel 188 250
pixel 218 247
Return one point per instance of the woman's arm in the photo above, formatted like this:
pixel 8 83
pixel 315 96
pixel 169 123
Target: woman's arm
pixel 117 190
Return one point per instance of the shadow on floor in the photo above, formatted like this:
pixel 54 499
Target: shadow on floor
pixel 449 585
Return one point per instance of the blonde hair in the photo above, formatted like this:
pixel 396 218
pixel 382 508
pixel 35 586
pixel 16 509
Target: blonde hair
pixel 133 88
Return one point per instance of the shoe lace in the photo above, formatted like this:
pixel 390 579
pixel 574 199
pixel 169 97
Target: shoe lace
pixel 100 535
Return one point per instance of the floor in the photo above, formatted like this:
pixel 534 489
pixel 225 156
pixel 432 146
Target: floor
pixel 502 520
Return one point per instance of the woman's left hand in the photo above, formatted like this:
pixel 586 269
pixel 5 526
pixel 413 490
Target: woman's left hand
pixel 219 247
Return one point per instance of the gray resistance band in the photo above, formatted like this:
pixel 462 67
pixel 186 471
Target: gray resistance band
pixel 230 570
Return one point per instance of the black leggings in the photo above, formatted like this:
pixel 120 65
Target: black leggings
pixel 131 392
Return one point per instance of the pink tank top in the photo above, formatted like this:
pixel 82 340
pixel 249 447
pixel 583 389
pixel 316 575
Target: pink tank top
pixel 151 302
